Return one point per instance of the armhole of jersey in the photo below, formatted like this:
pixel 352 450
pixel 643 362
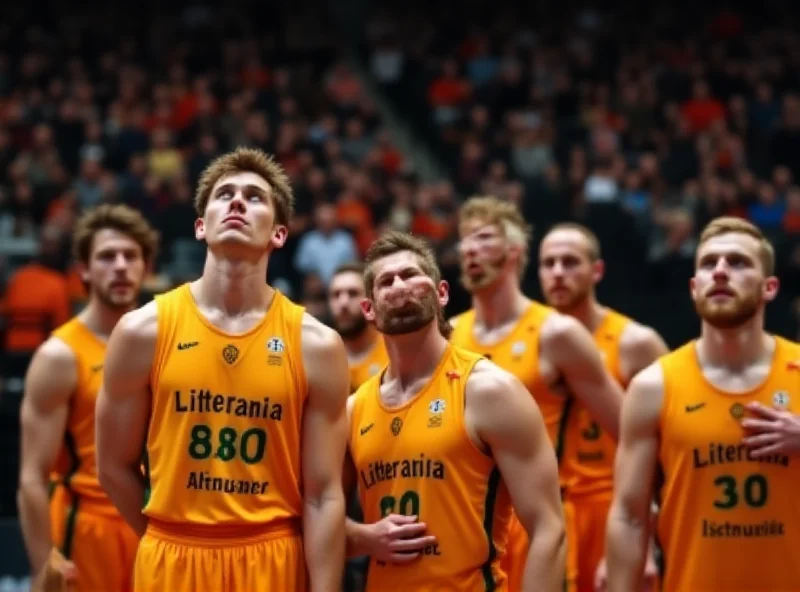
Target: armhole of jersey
pixel 666 396
pixel 296 313
pixel 461 417
pixel 163 321
pixel 617 370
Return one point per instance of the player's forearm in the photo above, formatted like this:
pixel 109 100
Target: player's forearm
pixel 357 538
pixel 34 512
pixel 545 564
pixel 126 488
pixel 627 546
pixel 324 539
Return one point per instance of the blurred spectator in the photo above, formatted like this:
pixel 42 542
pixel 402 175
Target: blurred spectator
pixel 325 248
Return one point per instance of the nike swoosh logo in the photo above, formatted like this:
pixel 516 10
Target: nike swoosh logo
pixel 187 345
pixel 690 408
pixel 366 429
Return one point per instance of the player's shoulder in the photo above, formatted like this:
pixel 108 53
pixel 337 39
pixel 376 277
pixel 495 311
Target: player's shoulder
pixel 461 318
pixel 560 329
pixel 637 336
pixel 138 326
pixel 56 355
pixel 488 384
pixel 318 338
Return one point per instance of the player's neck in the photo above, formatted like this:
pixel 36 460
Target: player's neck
pixel 500 303
pixel 589 312
pixel 234 286
pixel 362 342
pixel 101 319
pixel 735 348
pixel 414 356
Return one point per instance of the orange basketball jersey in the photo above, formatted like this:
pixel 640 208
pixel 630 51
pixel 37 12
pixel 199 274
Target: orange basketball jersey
pixel 727 521
pixel 372 362
pixel 76 468
pixel 418 460
pixel 223 447
pixel 588 464
pixel 518 353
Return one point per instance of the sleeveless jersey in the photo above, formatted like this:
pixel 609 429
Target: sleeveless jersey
pixel 727 521
pixel 76 467
pixel 369 365
pixel 588 451
pixel 418 460
pixel 223 447
pixel 518 353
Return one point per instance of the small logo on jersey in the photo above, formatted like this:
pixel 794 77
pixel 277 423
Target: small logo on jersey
pixel 97 368
pixel 737 411
pixel 373 369
pixel 793 365
pixel 276 345
pixel 697 407
pixel 437 406
pixel 397 425
pixel 230 353
pixel 187 344
pixel 518 348
pixel 366 429
pixel 452 375
pixel 780 399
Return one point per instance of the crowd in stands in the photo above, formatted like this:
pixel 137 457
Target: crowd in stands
pixel 646 122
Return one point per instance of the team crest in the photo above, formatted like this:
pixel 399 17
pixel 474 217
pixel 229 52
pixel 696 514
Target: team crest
pixel 518 348
pixel 437 406
pixel 780 399
pixel 397 425
pixel 737 411
pixel 230 354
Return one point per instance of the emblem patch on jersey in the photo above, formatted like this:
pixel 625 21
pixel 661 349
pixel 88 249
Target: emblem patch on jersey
pixel 397 425
pixel 276 345
pixel 518 348
pixel 436 408
pixel 780 398
pixel 374 369
pixel 230 353
pixel 737 411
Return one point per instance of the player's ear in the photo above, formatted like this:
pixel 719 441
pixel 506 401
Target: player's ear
pixel 598 270
pixel 83 271
pixel 199 229
pixel 443 293
pixel 368 309
pixel 771 285
pixel 279 235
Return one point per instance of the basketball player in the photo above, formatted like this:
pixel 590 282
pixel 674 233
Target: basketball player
pixel 552 354
pixel 728 520
pixel 238 397
pixel 443 443
pixel 569 268
pixel 366 352
pixel 113 245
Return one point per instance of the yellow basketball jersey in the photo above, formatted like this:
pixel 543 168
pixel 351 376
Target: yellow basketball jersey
pixel 223 447
pixel 373 362
pixel 728 521
pixel 518 353
pixel 76 468
pixel 588 464
pixel 418 460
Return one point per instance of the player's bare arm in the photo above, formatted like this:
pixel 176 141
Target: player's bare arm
pixel 569 347
pixel 123 412
pixel 49 384
pixel 395 538
pixel 323 450
pixel 629 520
pixel 504 418
pixel 639 346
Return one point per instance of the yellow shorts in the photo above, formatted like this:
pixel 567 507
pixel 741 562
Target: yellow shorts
pixel 93 535
pixel 591 513
pixel 184 558
pixel 513 562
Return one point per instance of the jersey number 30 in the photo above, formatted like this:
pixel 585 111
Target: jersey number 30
pixel 407 506
pixel 753 489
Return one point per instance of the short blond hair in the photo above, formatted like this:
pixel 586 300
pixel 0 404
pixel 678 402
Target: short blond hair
pixel 118 217
pixel 592 242
pixel 503 214
pixel 732 225
pixel 392 242
pixel 249 160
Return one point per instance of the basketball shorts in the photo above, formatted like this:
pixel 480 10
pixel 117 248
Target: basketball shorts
pixel 513 562
pixel 93 535
pixel 188 558
pixel 591 514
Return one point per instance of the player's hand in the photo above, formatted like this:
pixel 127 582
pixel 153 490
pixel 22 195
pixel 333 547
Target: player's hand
pixel 772 431
pixel 58 575
pixel 398 539
pixel 650 583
